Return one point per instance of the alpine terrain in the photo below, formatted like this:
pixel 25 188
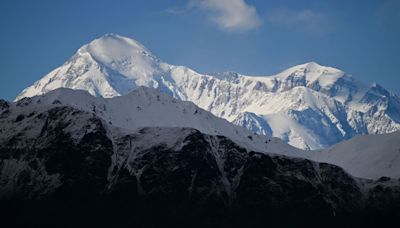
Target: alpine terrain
pixel 309 106
pixel 146 159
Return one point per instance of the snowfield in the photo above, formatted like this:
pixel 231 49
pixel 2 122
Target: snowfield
pixel 368 156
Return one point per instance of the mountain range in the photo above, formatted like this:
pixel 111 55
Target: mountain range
pixel 117 137
pixel 308 106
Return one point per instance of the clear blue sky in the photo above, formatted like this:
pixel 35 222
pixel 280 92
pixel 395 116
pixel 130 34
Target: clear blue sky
pixel 253 37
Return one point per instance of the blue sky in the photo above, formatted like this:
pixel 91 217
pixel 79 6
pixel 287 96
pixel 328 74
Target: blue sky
pixel 255 37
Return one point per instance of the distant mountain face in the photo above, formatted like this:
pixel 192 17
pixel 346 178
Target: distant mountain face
pixel 68 160
pixel 309 106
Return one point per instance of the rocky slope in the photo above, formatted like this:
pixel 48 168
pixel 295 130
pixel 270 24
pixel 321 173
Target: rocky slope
pixel 64 166
pixel 309 106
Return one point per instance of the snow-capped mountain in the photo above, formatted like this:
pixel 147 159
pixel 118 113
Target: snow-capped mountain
pixel 309 106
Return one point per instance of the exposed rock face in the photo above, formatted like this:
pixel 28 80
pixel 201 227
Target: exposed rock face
pixel 65 167
pixel 54 153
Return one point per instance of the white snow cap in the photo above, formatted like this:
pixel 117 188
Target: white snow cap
pixel 113 48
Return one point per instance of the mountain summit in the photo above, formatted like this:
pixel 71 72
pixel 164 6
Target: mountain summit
pixel 309 106
pixel 109 66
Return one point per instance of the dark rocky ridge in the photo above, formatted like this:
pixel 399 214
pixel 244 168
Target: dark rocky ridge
pixel 64 167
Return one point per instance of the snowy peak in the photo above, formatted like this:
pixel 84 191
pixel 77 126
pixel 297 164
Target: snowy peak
pixel 113 49
pixel 123 55
pixel 109 66
pixel 312 73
